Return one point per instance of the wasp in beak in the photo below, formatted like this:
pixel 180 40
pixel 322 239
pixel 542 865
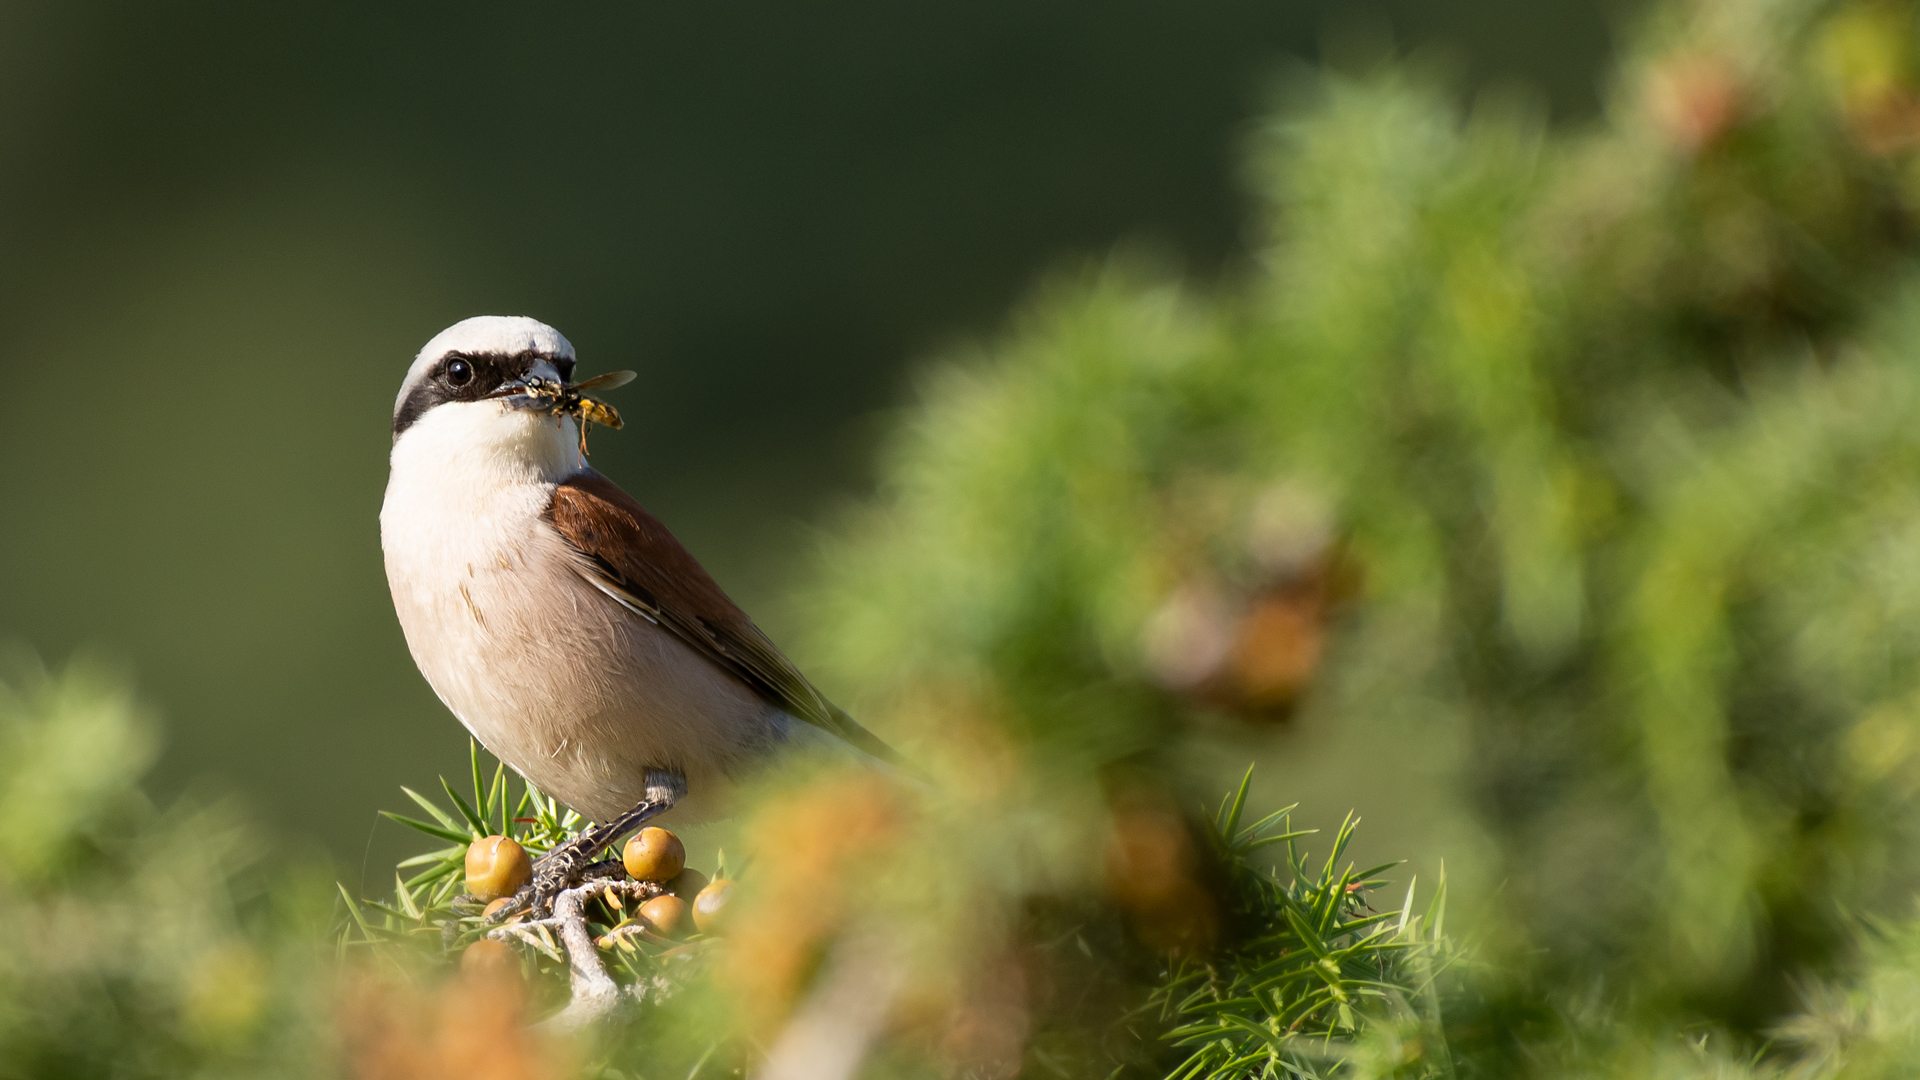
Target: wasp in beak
pixel 567 399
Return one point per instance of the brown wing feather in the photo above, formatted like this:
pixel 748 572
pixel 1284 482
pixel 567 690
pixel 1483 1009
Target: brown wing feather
pixel 627 554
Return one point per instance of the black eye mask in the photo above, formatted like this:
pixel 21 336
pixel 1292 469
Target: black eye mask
pixel 489 371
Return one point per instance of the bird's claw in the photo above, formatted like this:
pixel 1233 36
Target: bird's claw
pixel 563 874
pixel 559 870
pixel 572 863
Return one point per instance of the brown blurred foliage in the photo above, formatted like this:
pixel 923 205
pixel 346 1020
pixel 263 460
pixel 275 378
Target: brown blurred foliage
pixel 811 846
pixel 1866 54
pixel 1155 875
pixel 1251 650
pixel 1695 99
pixel 469 1027
pixel 986 1030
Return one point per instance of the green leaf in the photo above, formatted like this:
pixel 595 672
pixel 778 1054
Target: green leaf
pixel 430 830
pixel 1340 842
pixel 442 855
pixel 405 896
pixel 435 874
pixel 497 792
pixel 353 909
pixel 427 804
pixel 1277 838
pixel 1230 812
pixel 474 821
pixel 479 798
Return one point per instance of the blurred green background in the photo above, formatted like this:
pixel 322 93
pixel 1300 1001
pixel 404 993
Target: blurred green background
pixel 1536 482
pixel 229 226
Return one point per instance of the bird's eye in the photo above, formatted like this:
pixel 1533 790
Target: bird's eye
pixel 459 372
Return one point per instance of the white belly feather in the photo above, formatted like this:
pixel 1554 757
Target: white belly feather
pixel 576 694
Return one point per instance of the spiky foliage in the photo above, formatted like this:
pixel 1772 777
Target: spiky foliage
pixel 424 901
pixel 433 921
pixel 1617 430
pixel 1319 973
pixel 136 942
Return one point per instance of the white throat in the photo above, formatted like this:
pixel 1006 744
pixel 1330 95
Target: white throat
pixel 469 483
pixel 469 444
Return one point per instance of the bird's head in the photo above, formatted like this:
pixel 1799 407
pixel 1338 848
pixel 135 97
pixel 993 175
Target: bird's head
pixel 500 385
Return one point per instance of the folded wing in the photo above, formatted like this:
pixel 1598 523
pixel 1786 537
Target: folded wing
pixel 630 557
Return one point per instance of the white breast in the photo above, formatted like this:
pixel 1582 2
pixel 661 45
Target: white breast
pixel 575 693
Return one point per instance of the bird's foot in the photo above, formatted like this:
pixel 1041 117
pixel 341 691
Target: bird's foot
pixel 551 877
pixel 576 861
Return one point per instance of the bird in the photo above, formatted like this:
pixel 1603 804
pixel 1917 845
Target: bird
pixel 561 623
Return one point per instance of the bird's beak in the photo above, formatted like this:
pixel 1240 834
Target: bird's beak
pixel 533 393
pixel 539 390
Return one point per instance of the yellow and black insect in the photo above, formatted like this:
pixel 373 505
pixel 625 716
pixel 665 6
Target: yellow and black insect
pixel 568 400
pixel 587 411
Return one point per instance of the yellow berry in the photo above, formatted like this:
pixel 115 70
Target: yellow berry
pixel 495 905
pixel 654 855
pixel 709 907
pixel 665 914
pixel 687 885
pixel 497 866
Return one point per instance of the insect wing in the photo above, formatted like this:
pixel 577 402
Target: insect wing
pixel 612 380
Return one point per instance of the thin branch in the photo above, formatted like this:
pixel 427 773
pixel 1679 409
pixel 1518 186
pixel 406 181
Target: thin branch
pixel 595 995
